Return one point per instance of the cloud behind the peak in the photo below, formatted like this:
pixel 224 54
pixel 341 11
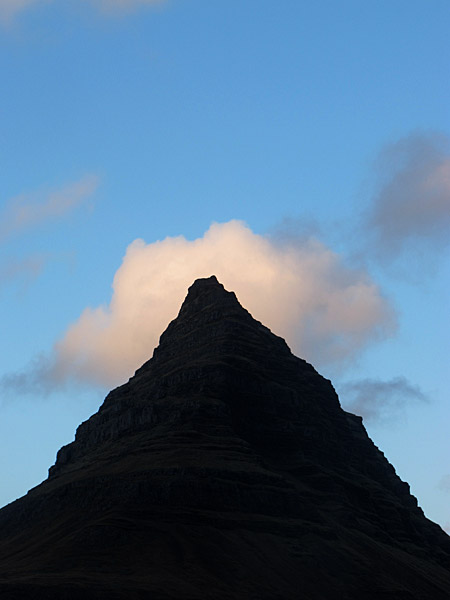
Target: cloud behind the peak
pixel 303 292
pixel 411 206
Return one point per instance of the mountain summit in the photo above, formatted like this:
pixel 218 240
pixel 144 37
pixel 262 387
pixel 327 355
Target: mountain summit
pixel 224 469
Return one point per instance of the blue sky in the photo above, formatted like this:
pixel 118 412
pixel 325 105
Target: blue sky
pixel 315 136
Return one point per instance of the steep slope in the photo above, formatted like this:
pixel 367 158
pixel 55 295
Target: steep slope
pixel 225 468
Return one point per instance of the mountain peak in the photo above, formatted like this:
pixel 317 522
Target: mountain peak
pixel 204 292
pixel 204 287
pixel 205 282
pixel 221 443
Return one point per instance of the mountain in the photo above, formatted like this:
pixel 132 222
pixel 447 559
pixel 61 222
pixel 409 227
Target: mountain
pixel 224 469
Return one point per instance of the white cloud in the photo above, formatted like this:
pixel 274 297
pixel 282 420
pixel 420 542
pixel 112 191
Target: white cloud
pixel 377 400
pixel 326 311
pixel 31 210
pixel 412 205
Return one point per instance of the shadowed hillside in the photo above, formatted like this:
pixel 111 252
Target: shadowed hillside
pixel 224 469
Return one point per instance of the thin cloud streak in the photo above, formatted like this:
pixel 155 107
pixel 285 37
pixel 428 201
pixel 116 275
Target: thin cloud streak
pixel 380 401
pixel 327 312
pixel 444 484
pixel 28 268
pixel 118 6
pixel 36 380
pixel 411 208
pixel 27 211
pixel 10 9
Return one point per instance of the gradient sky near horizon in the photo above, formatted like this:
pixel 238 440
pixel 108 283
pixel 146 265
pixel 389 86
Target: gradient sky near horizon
pixel 300 151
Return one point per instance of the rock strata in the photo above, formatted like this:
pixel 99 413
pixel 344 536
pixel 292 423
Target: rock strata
pixel 224 469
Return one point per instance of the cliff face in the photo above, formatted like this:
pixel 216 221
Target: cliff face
pixel 225 468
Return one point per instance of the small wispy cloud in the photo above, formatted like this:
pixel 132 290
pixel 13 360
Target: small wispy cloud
pixel 24 269
pixel 380 401
pixel 10 9
pixel 411 206
pixel 38 378
pixel 124 5
pixel 444 484
pixel 30 210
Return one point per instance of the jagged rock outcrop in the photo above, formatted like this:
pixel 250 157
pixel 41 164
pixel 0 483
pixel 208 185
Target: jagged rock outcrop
pixel 224 469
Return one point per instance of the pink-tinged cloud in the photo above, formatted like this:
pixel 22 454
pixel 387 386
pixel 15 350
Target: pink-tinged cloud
pixel 412 205
pixel 303 292
pixel 30 210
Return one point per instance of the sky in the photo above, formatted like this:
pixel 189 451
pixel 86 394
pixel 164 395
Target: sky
pixel 299 151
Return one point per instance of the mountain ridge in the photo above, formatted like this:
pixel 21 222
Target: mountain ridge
pixel 225 466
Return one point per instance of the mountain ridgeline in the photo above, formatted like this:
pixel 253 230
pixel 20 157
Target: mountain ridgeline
pixel 225 469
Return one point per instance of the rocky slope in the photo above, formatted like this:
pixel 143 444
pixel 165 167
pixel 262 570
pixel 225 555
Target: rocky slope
pixel 224 469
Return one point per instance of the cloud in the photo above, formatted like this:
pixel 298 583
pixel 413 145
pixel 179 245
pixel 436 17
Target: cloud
pixel 28 268
pixel 124 5
pixel 444 484
pixel 377 400
pixel 9 9
pixel 35 380
pixel 303 292
pixel 411 207
pixel 30 210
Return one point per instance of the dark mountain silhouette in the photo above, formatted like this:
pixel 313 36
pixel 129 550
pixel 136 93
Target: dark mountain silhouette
pixel 224 469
